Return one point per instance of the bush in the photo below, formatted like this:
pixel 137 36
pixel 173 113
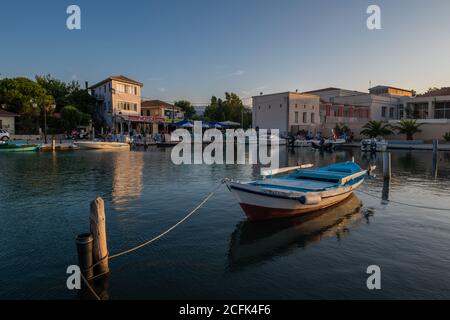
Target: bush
pixel 447 137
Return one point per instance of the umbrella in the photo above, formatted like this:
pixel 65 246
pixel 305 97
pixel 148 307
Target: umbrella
pixel 229 124
pixel 216 125
pixel 184 124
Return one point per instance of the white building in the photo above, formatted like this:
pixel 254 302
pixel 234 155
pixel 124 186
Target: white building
pixel 287 111
pixel 7 120
pixel 349 106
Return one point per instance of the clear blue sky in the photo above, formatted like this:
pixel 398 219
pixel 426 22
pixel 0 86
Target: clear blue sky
pixel 193 49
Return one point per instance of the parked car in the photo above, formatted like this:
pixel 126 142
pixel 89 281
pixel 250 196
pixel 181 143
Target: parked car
pixel 4 135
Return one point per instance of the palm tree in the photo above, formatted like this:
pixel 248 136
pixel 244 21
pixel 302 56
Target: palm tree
pixel 375 128
pixel 408 127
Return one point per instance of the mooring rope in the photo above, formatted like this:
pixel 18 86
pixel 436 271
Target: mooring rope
pixel 187 216
pixel 90 288
pixel 403 203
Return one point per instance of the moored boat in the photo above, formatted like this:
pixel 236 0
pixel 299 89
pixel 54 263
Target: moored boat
pixel 102 145
pixel 305 190
pixel 17 147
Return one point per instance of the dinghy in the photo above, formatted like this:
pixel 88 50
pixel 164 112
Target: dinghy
pixel 304 190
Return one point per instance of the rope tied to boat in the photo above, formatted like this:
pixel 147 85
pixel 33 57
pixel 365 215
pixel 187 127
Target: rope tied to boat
pixel 403 203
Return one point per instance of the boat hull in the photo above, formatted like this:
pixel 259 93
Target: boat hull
pixel 18 148
pixel 103 145
pixel 260 206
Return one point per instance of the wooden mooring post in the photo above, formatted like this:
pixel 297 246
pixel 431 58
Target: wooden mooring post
pixel 98 230
pixel 92 247
pixel 387 165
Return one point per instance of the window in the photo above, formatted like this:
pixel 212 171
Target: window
pixel 259 107
pixel 148 113
pixel 383 112
pixel 305 117
pixel 269 106
pixel 127 106
pixel 391 112
pixel 296 116
pixel 296 105
pixel 281 106
pixel 312 118
pixel 121 87
pixel 442 110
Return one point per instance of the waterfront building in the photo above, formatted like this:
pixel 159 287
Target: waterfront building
pixel 287 111
pixel 119 102
pixel 161 109
pixel 7 120
pixel 431 105
pixel 349 106
pixel 391 91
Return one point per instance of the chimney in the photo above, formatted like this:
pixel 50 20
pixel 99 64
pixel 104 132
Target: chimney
pixel 86 84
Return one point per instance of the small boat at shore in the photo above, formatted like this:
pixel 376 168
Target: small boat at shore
pixel 18 147
pixel 374 145
pixel 102 145
pixel 305 190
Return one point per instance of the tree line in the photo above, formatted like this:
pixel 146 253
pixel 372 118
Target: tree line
pixel 66 105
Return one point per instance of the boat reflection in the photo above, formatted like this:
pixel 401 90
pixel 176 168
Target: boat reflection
pixel 253 242
pixel 127 176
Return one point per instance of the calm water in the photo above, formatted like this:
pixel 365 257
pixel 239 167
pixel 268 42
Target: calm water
pixel 44 203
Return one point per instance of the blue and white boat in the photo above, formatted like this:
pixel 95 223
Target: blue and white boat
pixel 304 190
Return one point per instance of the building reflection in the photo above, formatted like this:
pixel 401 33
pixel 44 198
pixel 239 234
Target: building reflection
pixel 127 176
pixel 253 242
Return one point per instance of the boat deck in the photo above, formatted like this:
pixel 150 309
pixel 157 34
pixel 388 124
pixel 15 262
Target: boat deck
pixel 310 180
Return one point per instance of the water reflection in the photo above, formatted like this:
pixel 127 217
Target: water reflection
pixel 253 242
pixel 127 176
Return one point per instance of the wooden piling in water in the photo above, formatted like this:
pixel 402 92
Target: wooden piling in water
pixel 387 165
pixel 98 231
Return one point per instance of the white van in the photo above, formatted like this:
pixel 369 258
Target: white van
pixel 4 135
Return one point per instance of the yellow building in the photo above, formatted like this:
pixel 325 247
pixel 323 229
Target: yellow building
pixel 119 101
pixel 161 110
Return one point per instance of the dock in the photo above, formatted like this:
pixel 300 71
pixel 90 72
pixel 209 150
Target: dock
pixel 405 146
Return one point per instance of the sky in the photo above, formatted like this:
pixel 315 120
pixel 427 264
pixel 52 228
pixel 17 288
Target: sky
pixel 193 49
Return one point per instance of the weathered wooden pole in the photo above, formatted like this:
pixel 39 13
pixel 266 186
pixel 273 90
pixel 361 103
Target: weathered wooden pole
pixel 98 231
pixel 435 157
pixel 385 190
pixel 387 165
pixel 84 248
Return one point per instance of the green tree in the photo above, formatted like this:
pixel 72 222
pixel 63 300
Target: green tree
pixel 26 98
pixel 71 118
pixel 188 109
pixel 231 109
pixel 408 127
pixel 375 128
